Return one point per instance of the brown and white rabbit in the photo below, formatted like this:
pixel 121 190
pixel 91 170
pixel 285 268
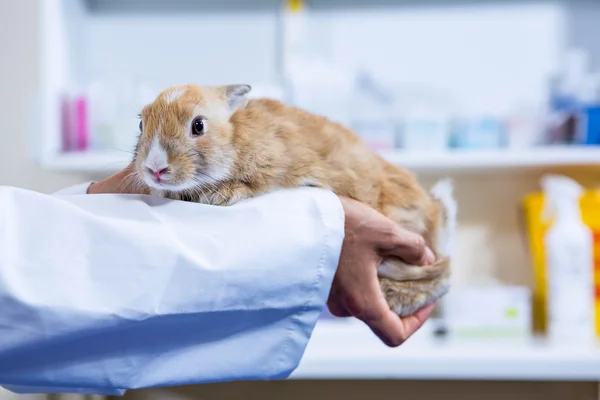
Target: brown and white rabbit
pixel 213 145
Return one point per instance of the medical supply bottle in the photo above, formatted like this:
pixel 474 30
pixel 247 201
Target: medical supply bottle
pixel 568 245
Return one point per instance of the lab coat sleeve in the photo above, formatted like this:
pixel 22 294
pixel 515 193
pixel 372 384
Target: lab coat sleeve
pixel 104 293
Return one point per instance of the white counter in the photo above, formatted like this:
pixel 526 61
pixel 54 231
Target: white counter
pixel 351 351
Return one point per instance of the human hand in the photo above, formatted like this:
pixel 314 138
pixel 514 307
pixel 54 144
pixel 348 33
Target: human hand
pixel 369 237
pixel 124 182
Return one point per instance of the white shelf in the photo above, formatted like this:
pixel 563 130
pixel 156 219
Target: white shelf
pixel 351 351
pixel 473 160
pixel 105 162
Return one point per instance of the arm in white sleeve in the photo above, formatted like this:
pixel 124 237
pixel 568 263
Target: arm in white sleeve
pixel 104 293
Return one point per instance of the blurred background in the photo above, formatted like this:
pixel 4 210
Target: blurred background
pixel 495 94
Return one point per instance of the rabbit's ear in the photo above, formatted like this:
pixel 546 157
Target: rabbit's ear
pixel 236 96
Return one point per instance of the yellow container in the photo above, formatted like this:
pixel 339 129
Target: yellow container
pixel 536 229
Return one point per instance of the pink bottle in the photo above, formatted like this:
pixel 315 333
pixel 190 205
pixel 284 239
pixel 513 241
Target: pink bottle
pixel 80 108
pixel 67 123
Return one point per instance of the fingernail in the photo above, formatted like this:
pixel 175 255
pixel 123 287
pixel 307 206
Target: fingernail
pixel 429 257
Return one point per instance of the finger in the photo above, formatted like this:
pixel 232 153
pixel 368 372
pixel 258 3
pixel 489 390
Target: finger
pixel 408 246
pixel 388 327
pixel 394 331
pixel 413 322
pixel 382 321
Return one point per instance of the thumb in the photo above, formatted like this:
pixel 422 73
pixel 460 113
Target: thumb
pixel 381 320
pixel 386 325
pixel 408 246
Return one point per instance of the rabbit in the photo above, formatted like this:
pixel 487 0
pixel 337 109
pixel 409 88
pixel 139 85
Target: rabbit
pixel 215 145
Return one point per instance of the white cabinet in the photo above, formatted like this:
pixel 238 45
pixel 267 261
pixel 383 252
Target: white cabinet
pixel 492 56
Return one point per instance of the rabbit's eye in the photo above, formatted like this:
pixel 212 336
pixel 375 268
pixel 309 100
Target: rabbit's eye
pixel 197 127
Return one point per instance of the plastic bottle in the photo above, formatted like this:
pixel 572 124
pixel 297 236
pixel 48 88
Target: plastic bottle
pixel 565 101
pixel 296 27
pixel 425 129
pixel 372 115
pixel 566 83
pixel 568 246
pixel 294 47
pixel 80 105
pixel 102 117
pixel 67 122
pixel 75 119
pixel 588 119
pixel 311 82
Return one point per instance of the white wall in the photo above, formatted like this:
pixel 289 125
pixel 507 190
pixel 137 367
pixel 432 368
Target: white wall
pixel 489 55
pixel 464 50
pixel 19 71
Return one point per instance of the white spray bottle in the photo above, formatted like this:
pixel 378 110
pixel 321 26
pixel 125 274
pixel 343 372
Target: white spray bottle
pixel 569 257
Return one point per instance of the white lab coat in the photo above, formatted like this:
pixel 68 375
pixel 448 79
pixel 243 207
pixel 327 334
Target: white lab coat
pixel 104 293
